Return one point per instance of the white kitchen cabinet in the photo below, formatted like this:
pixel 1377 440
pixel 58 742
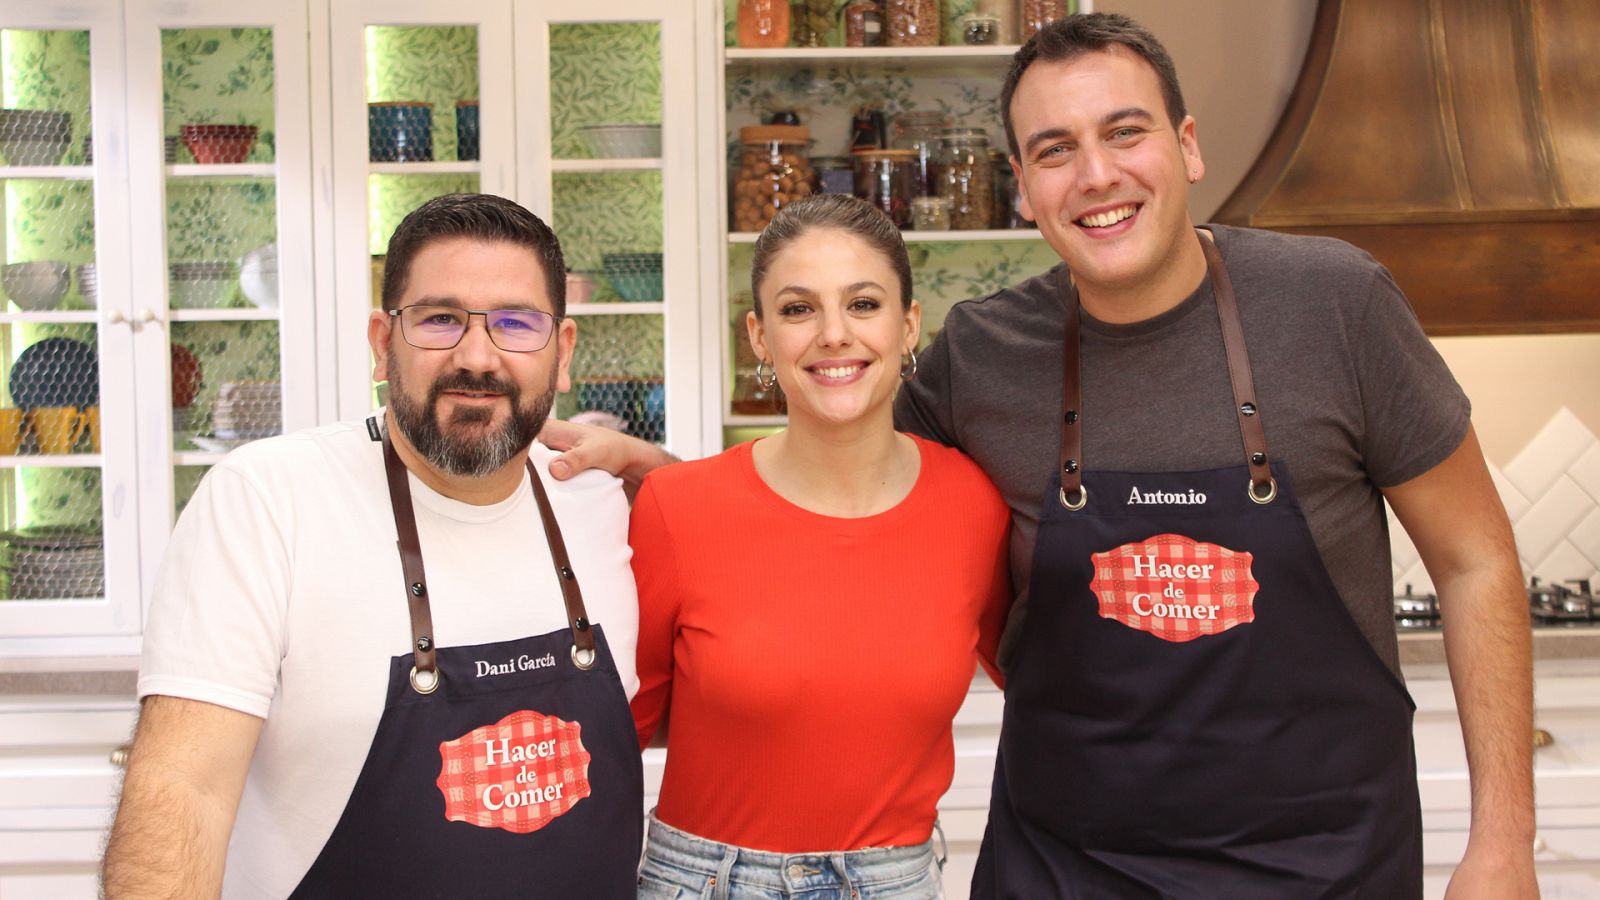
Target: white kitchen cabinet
pixel 638 355
pixel 113 204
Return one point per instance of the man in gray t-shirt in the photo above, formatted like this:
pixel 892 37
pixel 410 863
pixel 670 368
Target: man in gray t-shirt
pixel 1202 692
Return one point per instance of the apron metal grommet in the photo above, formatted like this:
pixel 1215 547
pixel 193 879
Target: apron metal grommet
pixel 1083 498
pixel 583 659
pixel 424 682
pixel 1272 491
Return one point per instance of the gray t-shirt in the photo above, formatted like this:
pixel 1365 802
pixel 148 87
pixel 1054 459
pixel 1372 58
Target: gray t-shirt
pixel 1352 395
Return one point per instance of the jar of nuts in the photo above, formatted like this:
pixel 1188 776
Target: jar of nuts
pixel 913 23
pixel 1036 14
pixel 967 177
pixel 887 180
pixel 774 171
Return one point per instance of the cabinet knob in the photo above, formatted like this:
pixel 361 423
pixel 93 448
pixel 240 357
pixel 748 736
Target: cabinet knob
pixel 147 316
pixel 119 756
pixel 115 317
pixel 1539 845
pixel 1542 739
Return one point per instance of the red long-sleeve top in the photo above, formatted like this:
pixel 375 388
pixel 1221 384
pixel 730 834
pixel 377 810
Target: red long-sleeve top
pixel 811 665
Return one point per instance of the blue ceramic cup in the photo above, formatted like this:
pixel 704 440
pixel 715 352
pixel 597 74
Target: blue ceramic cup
pixel 400 132
pixel 467 129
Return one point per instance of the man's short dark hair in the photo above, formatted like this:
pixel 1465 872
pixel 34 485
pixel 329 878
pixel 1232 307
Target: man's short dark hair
pixel 482 217
pixel 1074 36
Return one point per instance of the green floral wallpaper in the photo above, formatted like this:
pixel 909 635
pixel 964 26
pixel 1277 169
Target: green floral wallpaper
pixel 391 197
pixel 435 64
pixel 602 74
pixel 219 76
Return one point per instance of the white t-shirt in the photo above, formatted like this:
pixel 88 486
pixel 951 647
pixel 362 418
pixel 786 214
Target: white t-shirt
pixel 281 596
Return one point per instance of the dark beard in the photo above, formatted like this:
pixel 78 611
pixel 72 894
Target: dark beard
pixel 464 456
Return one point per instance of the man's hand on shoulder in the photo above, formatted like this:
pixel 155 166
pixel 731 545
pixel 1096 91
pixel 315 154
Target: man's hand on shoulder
pixel 585 447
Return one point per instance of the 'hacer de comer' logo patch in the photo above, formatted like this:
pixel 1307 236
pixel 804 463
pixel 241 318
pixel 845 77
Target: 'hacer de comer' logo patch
pixel 519 774
pixel 1175 587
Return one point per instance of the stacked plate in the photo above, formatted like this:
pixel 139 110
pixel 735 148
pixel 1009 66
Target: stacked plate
pixel 52 562
pixel 246 410
pixel 89 285
pixel 34 137
pixel 200 285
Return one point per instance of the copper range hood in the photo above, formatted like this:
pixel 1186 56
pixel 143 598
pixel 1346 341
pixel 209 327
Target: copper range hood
pixel 1458 141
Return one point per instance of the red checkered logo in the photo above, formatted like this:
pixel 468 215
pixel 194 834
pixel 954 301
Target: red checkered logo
pixel 1175 587
pixel 518 774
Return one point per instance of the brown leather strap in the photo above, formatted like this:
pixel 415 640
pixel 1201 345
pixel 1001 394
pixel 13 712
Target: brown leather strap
pixel 405 526
pixel 1262 488
pixel 583 651
pixel 1072 496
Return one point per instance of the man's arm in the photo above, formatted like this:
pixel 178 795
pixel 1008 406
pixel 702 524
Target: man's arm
pixel 590 447
pixel 185 774
pixel 1454 516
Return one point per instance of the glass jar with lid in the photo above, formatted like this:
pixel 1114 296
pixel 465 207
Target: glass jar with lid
pixel 884 178
pixel 913 23
pixel 774 171
pixel 919 130
pixel 1006 213
pixel 762 23
pixel 1005 14
pixel 835 174
pixel 930 213
pixel 863 24
pixel 967 177
pixel 1036 14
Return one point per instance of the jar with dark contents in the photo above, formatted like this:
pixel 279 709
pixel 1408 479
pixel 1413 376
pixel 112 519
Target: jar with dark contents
pixel 967 177
pixel 835 174
pixel 884 178
pixel 919 131
pixel 774 171
pixel 979 29
pixel 1005 190
pixel 913 23
pixel 1036 14
pixel 863 24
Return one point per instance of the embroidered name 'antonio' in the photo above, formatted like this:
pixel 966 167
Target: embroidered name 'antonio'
pixel 1165 498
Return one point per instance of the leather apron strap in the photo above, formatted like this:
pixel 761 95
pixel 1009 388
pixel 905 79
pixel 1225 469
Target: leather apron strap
pixel 425 671
pixel 1262 488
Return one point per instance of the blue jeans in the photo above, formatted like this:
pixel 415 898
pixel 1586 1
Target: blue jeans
pixel 679 866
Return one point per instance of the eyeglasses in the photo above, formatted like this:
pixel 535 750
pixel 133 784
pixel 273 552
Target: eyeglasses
pixel 442 327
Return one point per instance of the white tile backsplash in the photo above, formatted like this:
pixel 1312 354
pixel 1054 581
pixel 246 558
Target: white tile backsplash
pixel 1551 491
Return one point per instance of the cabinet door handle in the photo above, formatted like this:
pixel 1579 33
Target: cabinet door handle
pixel 147 316
pixel 1542 739
pixel 119 756
pixel 115 317
pixel 1539 845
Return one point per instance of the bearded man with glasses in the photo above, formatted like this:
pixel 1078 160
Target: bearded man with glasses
pixel 391 657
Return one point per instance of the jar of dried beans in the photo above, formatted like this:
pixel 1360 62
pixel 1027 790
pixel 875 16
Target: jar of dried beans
pixel 774 171
pixel 1036 14
pixel 967 177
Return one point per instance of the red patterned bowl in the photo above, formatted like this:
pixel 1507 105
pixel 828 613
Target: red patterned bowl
pixel 213 144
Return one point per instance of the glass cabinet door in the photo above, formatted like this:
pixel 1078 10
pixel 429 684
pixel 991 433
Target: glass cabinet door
pixel 68 523
pixel 606 119
pixel 222 312
pixel 422 106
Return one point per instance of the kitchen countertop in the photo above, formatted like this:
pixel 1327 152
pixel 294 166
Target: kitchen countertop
pixel 1555 651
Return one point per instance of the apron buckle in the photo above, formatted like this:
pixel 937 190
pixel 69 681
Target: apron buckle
pixel 1083 498
pixel 583 659
pixel 424 681
pixel 1272 492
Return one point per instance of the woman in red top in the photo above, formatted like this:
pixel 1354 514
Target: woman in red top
pixel 811 604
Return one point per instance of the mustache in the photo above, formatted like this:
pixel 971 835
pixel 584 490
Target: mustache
pixel 466 381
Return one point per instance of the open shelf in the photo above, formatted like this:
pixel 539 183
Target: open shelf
pixel 619 308
pixel 225 315
pixel 59 173
pixel 929 237
pixel 51 461
pixel 52 317
pixel 605 165
pixel 223 170
pixel 443 167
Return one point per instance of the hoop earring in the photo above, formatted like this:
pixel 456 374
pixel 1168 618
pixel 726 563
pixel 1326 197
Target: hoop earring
pixel 908 365
pixel 770 379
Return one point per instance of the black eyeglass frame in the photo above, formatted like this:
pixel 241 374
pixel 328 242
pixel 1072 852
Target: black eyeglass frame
pixel 555 325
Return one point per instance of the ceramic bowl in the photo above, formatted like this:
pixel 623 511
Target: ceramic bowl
pixel 467 129
pixel 400 131
pixel 636 277
pixel 258 276
pixel 623 141
pixel 219 144
pixel 34 137
pixel 89 285
pixel 35 285
pixel 580 288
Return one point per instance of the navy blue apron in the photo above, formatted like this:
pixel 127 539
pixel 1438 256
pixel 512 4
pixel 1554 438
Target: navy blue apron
pixel 497 770
pixel 1191 711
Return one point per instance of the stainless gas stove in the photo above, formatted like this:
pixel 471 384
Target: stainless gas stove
pixel 1568 604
